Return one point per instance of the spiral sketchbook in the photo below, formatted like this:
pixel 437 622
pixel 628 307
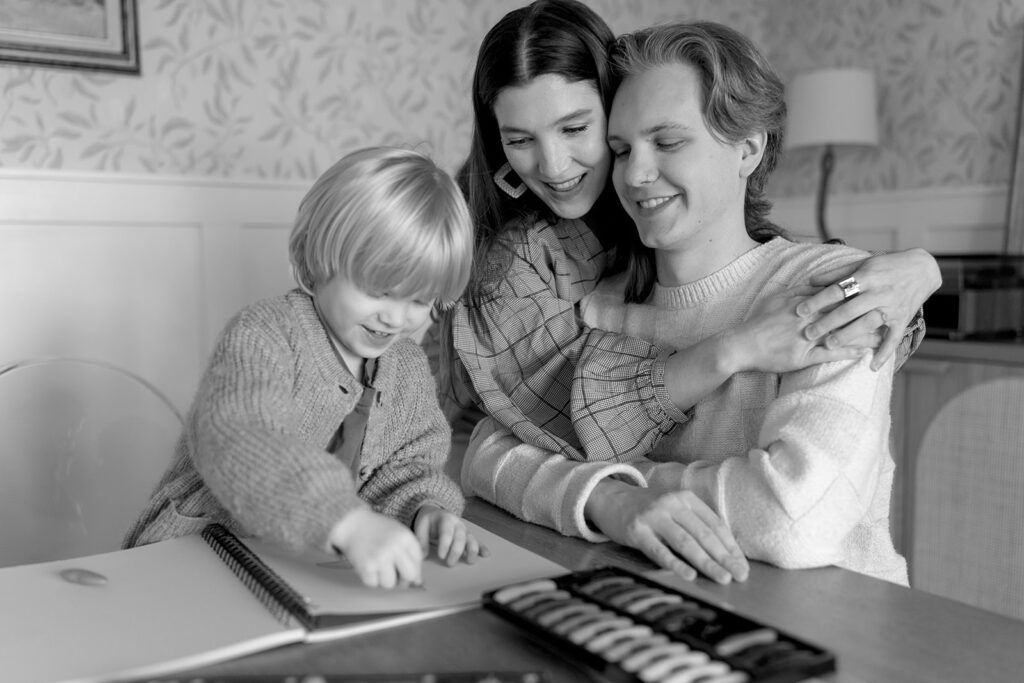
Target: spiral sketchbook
pixel 189 602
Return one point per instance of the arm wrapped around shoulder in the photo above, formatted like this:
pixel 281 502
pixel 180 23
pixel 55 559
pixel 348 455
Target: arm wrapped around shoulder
pixel 620 405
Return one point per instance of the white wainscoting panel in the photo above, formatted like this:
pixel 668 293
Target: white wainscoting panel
pixel 136 272
pixel 127 293
pixel 264 259
pixel 941 220
pixel 140 271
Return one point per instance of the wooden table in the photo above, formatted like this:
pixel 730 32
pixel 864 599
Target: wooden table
pixel 881 633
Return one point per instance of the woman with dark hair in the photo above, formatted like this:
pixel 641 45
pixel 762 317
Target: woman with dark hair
pixel 548 230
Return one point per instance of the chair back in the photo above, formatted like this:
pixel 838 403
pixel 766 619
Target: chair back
pixel 969 500
pixel 82 444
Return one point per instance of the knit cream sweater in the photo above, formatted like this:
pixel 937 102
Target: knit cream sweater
pixel 798 465
pixel 253 454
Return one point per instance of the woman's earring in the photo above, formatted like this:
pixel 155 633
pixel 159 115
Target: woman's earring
pixel 501 181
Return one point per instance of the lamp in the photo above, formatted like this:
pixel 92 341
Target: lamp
pixel 831 107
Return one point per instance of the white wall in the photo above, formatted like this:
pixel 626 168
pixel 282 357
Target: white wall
pixel 138 272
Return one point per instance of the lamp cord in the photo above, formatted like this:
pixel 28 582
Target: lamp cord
pixel 827 161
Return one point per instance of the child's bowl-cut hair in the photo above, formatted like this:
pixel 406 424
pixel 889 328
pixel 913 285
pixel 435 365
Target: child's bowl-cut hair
pixel 388 220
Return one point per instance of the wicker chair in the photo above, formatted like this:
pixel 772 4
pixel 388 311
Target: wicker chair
pixel 969 500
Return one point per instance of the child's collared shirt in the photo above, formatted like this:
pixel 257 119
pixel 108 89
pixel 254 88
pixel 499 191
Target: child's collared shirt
pixel 347 444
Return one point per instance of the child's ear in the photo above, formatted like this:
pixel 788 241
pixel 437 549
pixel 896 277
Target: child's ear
pixel 751 152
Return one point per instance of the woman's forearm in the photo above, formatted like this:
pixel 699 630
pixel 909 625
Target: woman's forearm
pixel 696 371
pixel 771 340
pixel 599 506
pixel 533 484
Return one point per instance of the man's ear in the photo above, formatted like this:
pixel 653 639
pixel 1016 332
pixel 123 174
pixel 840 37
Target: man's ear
pixel 751 150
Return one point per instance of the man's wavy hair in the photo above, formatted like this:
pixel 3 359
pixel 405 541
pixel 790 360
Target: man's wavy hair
pixel 741 94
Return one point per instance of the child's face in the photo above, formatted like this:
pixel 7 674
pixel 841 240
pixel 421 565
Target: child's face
pixel 365 324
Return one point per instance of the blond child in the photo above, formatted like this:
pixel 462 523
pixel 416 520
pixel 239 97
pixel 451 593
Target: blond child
pixel 316 424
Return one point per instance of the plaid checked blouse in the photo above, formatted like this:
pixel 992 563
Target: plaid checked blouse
pixel 522 345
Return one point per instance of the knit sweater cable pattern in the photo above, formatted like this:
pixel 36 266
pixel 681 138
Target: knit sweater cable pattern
pixel 253 454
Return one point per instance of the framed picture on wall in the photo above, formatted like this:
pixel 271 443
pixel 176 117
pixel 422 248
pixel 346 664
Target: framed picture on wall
pixel 100 35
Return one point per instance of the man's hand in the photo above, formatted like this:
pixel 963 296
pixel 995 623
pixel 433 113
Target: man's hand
pixel 675 529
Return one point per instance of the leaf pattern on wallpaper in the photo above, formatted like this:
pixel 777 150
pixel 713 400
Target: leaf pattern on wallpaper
pixel 948 74
pixel 278 89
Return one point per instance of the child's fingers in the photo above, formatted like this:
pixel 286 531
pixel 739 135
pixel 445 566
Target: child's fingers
pixel 459 543
pixel 386 575
pixel 367 576
pixel 408 567
pixel 455 550
pixel 422 530
pixel 366 568
pixel 474 550
pixel 445 538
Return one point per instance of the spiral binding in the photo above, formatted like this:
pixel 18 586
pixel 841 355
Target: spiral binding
pixel 269 588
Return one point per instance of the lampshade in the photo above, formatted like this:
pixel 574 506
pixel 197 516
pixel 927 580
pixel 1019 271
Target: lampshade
pixel 832 107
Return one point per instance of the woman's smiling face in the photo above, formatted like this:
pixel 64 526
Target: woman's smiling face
pixel 553 133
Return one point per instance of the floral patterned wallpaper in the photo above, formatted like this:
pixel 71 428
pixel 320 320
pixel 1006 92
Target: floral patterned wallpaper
pixel 278 89
pixel 948 74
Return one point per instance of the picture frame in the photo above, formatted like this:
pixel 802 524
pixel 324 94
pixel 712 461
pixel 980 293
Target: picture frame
pixel 100 35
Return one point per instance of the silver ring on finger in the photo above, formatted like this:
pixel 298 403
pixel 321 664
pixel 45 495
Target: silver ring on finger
pixel 850 287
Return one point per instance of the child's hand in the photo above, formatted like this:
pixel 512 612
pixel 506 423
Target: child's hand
pixel 448 531
pixel 383 552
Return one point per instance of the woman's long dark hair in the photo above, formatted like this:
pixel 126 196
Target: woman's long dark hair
pixel 560 37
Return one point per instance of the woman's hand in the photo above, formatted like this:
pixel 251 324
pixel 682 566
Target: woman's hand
pixel 893 289
pixel 675 529
pixel 383 552
pixel 447 532
pixel 772 338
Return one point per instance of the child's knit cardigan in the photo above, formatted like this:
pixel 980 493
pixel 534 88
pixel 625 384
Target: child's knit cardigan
pixel 253 454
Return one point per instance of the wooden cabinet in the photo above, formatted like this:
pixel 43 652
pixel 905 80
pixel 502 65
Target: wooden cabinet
pixel 958 503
